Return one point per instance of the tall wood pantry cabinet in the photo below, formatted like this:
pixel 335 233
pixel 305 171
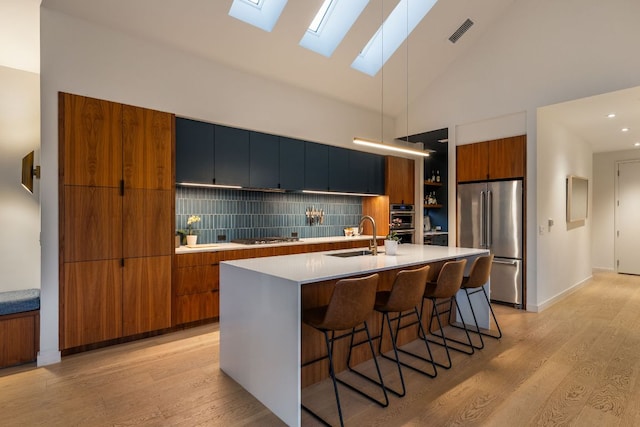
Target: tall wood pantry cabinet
pixel 116 189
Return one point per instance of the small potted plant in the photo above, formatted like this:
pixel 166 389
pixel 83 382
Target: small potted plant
pixel 392 240
pixel 192 238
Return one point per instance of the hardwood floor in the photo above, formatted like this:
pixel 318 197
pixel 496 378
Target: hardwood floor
pixel 576 363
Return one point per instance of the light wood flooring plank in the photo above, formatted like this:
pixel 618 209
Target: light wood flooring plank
pixel 576 363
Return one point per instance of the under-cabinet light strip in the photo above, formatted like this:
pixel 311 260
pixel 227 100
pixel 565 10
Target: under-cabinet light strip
pixel 191 184
pixel 338 193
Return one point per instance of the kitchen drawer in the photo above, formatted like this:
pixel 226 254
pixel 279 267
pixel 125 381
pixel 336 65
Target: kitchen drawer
pixel 200 258
pixel 194 307
pixel 196 279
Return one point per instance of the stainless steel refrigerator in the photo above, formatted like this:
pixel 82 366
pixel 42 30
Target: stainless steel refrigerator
pixel 490 216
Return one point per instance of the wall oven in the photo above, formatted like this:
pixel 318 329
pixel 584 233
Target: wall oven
pixel 402 219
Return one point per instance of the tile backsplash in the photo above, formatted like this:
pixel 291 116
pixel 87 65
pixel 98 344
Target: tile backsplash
pixel 241 214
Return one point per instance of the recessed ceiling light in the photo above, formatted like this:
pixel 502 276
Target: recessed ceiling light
pixel 611 115
pixel 625 129
pixel 637 144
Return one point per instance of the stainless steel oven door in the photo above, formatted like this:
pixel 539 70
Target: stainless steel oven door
pixel 401 216
pixel 406 236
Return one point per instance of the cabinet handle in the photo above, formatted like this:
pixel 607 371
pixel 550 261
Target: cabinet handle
pixel 121 262
pixel 122 187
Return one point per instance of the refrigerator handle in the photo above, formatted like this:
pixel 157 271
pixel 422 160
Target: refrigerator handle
pixel 489 218
pixel 512 262
pixel 483 219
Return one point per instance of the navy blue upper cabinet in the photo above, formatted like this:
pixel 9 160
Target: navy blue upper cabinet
pixel 264 164
pixel 231 160
pixel 291 164
pixel 366 172
pixel 222 155
pixel 339 175
pixel 194 151
pixel 316 166
pixel 377 163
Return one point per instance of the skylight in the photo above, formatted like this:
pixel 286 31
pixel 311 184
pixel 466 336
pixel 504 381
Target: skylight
pixel 322 12
pixel 331 24
pixel 260 13
pixel 396 28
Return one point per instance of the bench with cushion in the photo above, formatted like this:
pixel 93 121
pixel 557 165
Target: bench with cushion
pixel 19 326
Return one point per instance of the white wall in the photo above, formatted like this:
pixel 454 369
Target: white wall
pixel 19 210
pixel 84 59
pixel 564 249
pixel 20 34
pixel 604 185
pixel 540 52
pixel 19 134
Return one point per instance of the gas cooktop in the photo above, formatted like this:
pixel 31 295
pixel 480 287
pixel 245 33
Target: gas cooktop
pixel 265 240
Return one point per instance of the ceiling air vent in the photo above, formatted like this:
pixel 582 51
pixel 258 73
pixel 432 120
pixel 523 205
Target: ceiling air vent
pixel 460 31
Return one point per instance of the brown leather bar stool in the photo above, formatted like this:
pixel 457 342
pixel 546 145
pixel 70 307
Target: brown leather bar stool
pixel 404 298
pixel 350 304
pixel 443 293
pixel 474 283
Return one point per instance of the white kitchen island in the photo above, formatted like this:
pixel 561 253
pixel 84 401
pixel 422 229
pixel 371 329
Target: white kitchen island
pixel 260 314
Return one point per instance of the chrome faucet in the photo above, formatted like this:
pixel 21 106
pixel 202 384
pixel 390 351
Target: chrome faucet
pixel 373 244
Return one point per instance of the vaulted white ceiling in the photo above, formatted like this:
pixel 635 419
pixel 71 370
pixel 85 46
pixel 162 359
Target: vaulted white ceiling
pixel 204 28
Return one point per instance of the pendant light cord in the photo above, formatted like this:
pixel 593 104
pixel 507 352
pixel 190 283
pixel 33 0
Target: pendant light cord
pixel 407 46
pixel 382 71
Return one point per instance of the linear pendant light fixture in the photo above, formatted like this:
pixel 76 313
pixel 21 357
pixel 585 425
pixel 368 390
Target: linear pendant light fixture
pixel 396 148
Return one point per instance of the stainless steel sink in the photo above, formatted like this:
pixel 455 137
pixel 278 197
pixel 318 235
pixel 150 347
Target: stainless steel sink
pixel 352 253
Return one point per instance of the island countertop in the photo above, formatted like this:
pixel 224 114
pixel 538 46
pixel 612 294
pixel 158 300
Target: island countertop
pixel 260 314
pixel 318 266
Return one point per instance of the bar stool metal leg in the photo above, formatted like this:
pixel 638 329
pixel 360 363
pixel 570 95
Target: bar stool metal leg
pixel 379 382
pixel 396 349
pixel 469 343
pixel 406 293
pixel 442 335
pixel 474 283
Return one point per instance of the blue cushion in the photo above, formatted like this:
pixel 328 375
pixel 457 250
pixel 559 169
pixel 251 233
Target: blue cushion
pixel 19 301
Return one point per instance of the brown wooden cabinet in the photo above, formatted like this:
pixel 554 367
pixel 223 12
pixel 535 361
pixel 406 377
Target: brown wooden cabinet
pixel 197 276
pixel 116 219
pixel 90 141
pixel 491 160
pixel 146 294
pixel 91 302
pixel 19 338
pixel 147 214
pixel 148 141
pixel 399 180
pixel 92 219
pixel 196 287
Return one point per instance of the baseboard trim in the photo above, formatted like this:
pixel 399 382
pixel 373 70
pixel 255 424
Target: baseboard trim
pixel 562 295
